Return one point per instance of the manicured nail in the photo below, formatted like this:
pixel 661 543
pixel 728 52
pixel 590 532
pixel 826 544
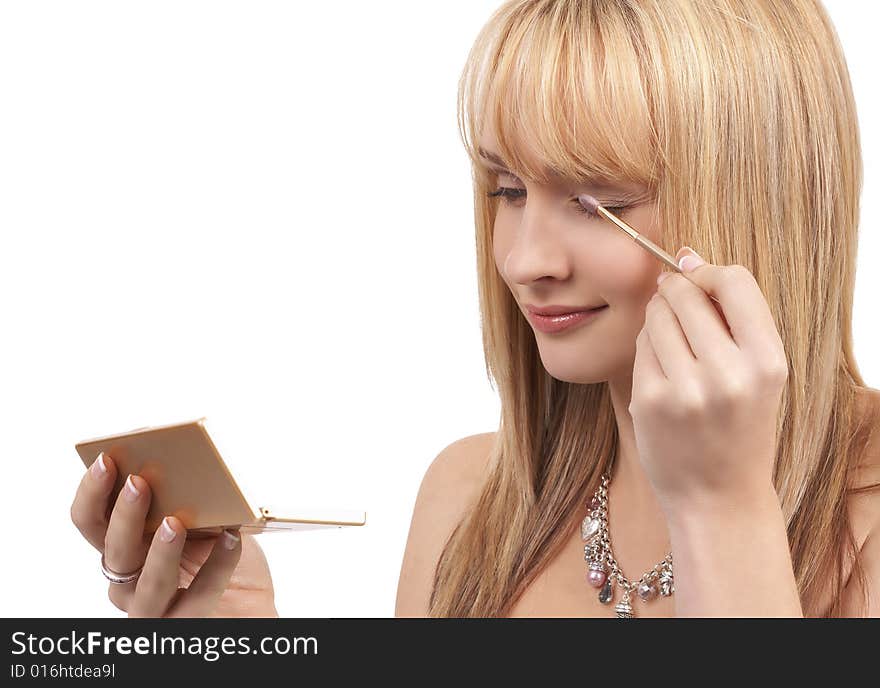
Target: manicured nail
pixel 230 540
pixel 690 260
pixel 99 468
pixel 130 492
pixel 166 532
pixel 662 276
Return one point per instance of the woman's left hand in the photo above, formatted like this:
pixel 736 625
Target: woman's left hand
pixel 706 393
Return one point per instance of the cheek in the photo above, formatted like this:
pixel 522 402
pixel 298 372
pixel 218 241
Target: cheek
pixel 628 271
pixel 614 265
pixel 619 269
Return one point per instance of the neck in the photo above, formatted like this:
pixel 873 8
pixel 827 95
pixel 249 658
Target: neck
pixel 629 483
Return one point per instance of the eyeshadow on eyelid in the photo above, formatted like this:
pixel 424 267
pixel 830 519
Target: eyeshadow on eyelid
pixel 596 187
pixel 602 189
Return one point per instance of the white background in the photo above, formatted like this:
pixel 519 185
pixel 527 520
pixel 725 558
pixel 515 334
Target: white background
pixel 260 213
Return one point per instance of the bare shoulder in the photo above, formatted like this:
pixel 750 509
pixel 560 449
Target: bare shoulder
pixel 867 470
pixel 450 485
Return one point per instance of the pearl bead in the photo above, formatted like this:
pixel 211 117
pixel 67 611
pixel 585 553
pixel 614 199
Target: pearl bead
pixel 595 578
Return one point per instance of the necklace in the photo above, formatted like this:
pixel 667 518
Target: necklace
pixel 603 570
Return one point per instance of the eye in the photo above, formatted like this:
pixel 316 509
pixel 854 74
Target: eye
pixel 507 193
pixel 616 209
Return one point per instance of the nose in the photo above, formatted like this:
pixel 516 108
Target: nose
pixel 537 250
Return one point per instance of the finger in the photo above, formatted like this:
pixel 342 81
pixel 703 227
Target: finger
pixel 157 586
pixel 698 317
pixel 646 368
pixel 89 508
pixel 203 594
pixel 668 341
pixel 125 547
pixel 744 307
pixel 121 595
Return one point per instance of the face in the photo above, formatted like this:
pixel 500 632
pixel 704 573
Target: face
pixel 550 252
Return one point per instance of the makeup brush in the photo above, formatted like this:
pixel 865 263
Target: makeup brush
pixel 591 205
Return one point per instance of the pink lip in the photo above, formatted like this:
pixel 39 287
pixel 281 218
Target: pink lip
pixel 557 323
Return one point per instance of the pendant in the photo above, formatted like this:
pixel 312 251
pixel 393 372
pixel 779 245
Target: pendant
pixel 666 584
pixel 606 593
pixel 589 528
pixel 647 591
pixel 624 608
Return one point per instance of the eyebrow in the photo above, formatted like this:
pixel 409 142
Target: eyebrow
pixel 492 157
pixel 501 165
pixel 604 184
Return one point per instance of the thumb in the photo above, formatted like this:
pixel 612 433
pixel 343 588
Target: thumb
pixel 688 259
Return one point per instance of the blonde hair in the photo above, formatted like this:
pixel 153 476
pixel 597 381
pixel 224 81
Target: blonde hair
pixel 739 114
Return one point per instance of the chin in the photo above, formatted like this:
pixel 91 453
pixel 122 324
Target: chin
pixel 579 379
pixel 578 370
pixel 570 360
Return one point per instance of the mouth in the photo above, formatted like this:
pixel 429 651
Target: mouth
pixel 561 310
pixel 551 323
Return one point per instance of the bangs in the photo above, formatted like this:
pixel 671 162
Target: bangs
pixel 559 88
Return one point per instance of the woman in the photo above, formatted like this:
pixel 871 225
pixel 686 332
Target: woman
pixel 670 455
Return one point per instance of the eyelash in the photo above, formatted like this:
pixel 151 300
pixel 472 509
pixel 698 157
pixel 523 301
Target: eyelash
pixel 507 193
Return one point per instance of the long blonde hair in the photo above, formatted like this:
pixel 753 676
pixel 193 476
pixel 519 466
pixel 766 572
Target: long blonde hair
pixel 740 115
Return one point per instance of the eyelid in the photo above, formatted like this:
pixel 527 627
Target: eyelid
pixel 614 204
pixel 621 201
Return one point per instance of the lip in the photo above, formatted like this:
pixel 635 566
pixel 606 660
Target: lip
pixel 559 310
pixel 558 322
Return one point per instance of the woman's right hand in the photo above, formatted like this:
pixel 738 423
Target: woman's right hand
pixel 225 575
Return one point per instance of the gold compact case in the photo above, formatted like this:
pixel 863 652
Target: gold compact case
pixel 189 479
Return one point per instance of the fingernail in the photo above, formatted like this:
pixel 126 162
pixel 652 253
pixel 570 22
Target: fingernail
pixel 230 540
pixel 99 468
pixel 130 492
pixel 662 276
pixel 166 532
pixel 690 261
